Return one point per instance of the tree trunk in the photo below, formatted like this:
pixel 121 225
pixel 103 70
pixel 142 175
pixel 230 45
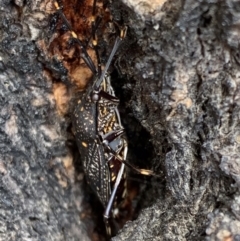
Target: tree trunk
pixel 179 91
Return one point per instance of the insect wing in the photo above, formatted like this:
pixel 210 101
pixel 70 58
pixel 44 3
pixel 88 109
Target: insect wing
pixel 90 148
pixel 97 173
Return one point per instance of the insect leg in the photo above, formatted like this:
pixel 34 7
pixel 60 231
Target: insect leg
pixel 108 209
pixel 108 140
pixel 107 96
pixel 111 136
pixel 145 172
pixel 84 54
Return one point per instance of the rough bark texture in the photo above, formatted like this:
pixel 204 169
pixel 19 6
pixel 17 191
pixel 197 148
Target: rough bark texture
pixel 40 200
pixel 186 94
pixel 182 84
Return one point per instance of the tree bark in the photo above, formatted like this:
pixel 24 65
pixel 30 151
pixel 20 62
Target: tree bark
pixel 180 84
pixel 40 198
pixel 186 95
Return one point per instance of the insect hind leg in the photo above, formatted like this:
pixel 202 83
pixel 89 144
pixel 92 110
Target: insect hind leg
pixel 108 137
pixel 108 209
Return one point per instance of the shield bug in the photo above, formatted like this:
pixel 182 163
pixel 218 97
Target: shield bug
pixel 98 129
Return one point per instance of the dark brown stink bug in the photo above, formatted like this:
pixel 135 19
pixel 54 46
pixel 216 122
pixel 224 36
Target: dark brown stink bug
pixel 99 132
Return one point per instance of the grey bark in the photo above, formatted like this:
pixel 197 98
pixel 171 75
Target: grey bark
pixel 39 199
pixel 187 96
pixel 182 68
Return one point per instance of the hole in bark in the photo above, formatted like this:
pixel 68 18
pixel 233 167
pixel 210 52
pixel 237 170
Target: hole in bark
pixel 141 151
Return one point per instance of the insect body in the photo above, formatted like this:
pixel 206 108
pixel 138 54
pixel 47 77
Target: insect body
pixel 101 142
pixel 99 133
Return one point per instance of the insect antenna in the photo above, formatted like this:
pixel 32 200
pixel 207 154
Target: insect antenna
pixel 117 43
pixel 84 53
pixel 95 23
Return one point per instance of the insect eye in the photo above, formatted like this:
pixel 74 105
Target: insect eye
pixel 95 96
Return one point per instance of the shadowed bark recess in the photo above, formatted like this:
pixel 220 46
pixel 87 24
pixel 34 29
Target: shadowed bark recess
pixel 178 79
